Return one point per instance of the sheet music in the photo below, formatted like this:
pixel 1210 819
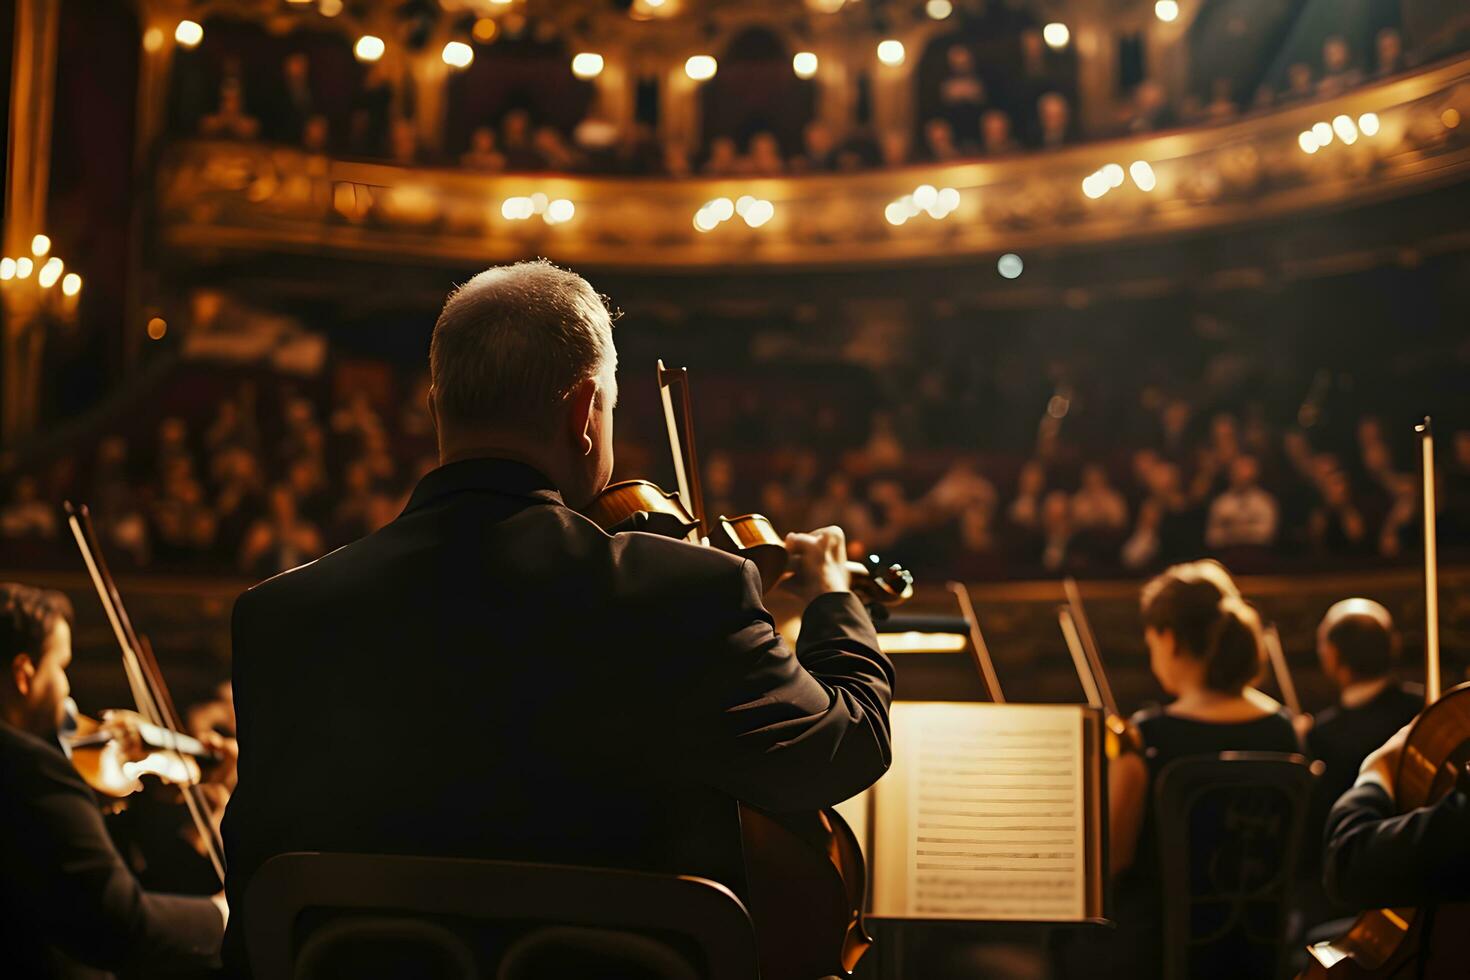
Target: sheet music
pixel 983 814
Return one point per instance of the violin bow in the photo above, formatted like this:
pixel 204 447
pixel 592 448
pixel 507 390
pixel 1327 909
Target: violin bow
pixel 1431 566
pixel 978 648
pixel 1271 638
pixel 150 693
pixel 686 458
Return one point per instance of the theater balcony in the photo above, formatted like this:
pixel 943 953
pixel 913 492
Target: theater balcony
pixel 1401 138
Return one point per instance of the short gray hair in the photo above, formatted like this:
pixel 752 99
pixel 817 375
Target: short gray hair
pixel 511 344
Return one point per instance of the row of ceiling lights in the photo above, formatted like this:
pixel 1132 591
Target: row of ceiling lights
pixel 50 272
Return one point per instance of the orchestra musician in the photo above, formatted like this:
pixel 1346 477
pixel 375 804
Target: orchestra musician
pixel 69 905
pixel 492 675
pixel 1205 649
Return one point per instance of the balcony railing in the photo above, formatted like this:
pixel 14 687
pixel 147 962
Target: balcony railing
pixel 1394 138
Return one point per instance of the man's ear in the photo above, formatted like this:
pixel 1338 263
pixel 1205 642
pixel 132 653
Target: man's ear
pixel 22 672
pixel 582 402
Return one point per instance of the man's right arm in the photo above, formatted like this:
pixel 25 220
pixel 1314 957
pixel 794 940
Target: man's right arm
pixel 1377 858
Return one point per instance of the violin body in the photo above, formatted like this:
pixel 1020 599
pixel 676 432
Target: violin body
pixel 1390 944
pixel 102 765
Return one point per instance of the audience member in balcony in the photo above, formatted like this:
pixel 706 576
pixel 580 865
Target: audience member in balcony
pixel 230 121
pixel 26 515
pixel 239 498
pixel 1097 506
pixel 556 155
pixel 1400 531
pixel 1142 548
pixel 517 144
pixel 353 516
pixel 1245 515
pixel 996 139
pixel 962 96
pixel 675 159
pixel 893 150
pixel 403 139
pixel 939 142
pixel 723 158
pixel 1149 109
pixel 1222 102
pixel 860 150
pixel 316 135
pixel 294 103
pixel 838 506
pixel 1023 514
pixel 280 540
pixel 1337 524
pixel 765 158
pixel 818 149
pixel 1054 127
pixel 1388 47
pixel 307 478
pixel 1056 530
pixel 115 508
pixel 234 423
pixel 182 524
pixel 1299 83
pixel 482 154
pixel 1338 71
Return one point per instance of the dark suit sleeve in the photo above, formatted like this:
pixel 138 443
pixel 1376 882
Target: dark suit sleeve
pixel 791 731
pixel 94 909
pixel 1376 858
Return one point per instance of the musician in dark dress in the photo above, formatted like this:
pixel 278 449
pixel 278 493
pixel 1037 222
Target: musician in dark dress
pixel 1204 645
pixel 492 675
pixel 69 906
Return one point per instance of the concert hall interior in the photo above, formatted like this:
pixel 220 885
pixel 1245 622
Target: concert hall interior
pixel 734 489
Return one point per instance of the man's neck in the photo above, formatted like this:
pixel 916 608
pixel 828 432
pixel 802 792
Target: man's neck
pixel 1359 693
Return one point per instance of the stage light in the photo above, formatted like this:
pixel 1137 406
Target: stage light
pixel 516 208
pixel 1095 185
pixel 152 39
pixel 1343 126
pixel 188 33
pixel 759 213
pixel 485 30
pixel 50 272
pixel 1368 123
pixel 1323 133
pixel 329 8
pixel 890 52
pixel 924 196
pixel 1113 174
pixel 822 6
pixel 40 245
pixel 722 208
pixel 1010 266
pixel 7 268
pixel 1167 10
pixel 914 641
pixel 157 327
pixel 946 200
pixel 701 67
pixel 896 212
pixel 507 3
pixel 1307 140
pixel 71 284
pixel 704 220
pixel 368 48
pixel 938 9
pixel 559 211
pixel 1056 35
pixel 743 203
pixel 24 267
pixel 588 64
pixel 804 63
pixel 1450 117
pixel 1143 175
pixel 457 54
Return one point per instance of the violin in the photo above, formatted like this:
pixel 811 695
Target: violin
pixel 171 757
pixel 1121 736
pixel 805 871
pixel 1422 943
pixel 153 702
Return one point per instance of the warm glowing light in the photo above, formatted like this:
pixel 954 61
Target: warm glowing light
pixel 946 201
pixel 1343 126
pixel 457 54
pixel 1167 10
pixel 1095 185
pixel 1056 34
pixel 654 4
pixel 938 9
pixel 890 52
pixel 1113 174
pixel 1308 141
pixel 329 8
pixel 23 267
pixel 722 208
pixel 152 39
pixel 1143 175
pixel 517 208
pixel 507 3
pixel 1323 133
pixel 71 284
pixel 896 213
pixel 7 268
pixel 157 327
pixel 758 213
pixel 1010 266
pixel 701 67
pixel 925 195
pixel 704 220
pixel 588 64
pixel 485 30
pixel 50 272
pixel 40 245
pixel 369 48
pixel 1368 123
pixel 914 641
pixel 560 210
pixel 188 33
pixel 743 203
pixel 1450 117
pixel 804 63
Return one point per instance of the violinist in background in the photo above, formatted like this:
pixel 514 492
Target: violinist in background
pixel 69 906
pixel 552 693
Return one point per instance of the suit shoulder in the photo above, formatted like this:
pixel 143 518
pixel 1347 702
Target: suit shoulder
pixel 668 564
pixel 25 758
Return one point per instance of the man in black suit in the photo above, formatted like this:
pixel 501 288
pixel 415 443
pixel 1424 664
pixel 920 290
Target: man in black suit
pixel 491 675
pixel 69 906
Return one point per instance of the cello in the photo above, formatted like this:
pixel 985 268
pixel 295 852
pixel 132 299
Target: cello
pixel 174 752
pixel 1419 943
pixel 805 871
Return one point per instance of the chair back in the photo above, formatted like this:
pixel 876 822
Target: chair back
pixel 1230 832
pixel 312 916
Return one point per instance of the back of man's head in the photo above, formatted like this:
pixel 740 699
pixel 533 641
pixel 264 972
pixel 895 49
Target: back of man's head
pixel 513 342
pixel 1361 634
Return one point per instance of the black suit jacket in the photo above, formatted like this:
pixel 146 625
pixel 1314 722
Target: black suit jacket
pixel 1375 857
pixel 69 906
pixel 492 675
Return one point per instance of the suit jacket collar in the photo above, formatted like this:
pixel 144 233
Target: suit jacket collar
pixel 502 476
